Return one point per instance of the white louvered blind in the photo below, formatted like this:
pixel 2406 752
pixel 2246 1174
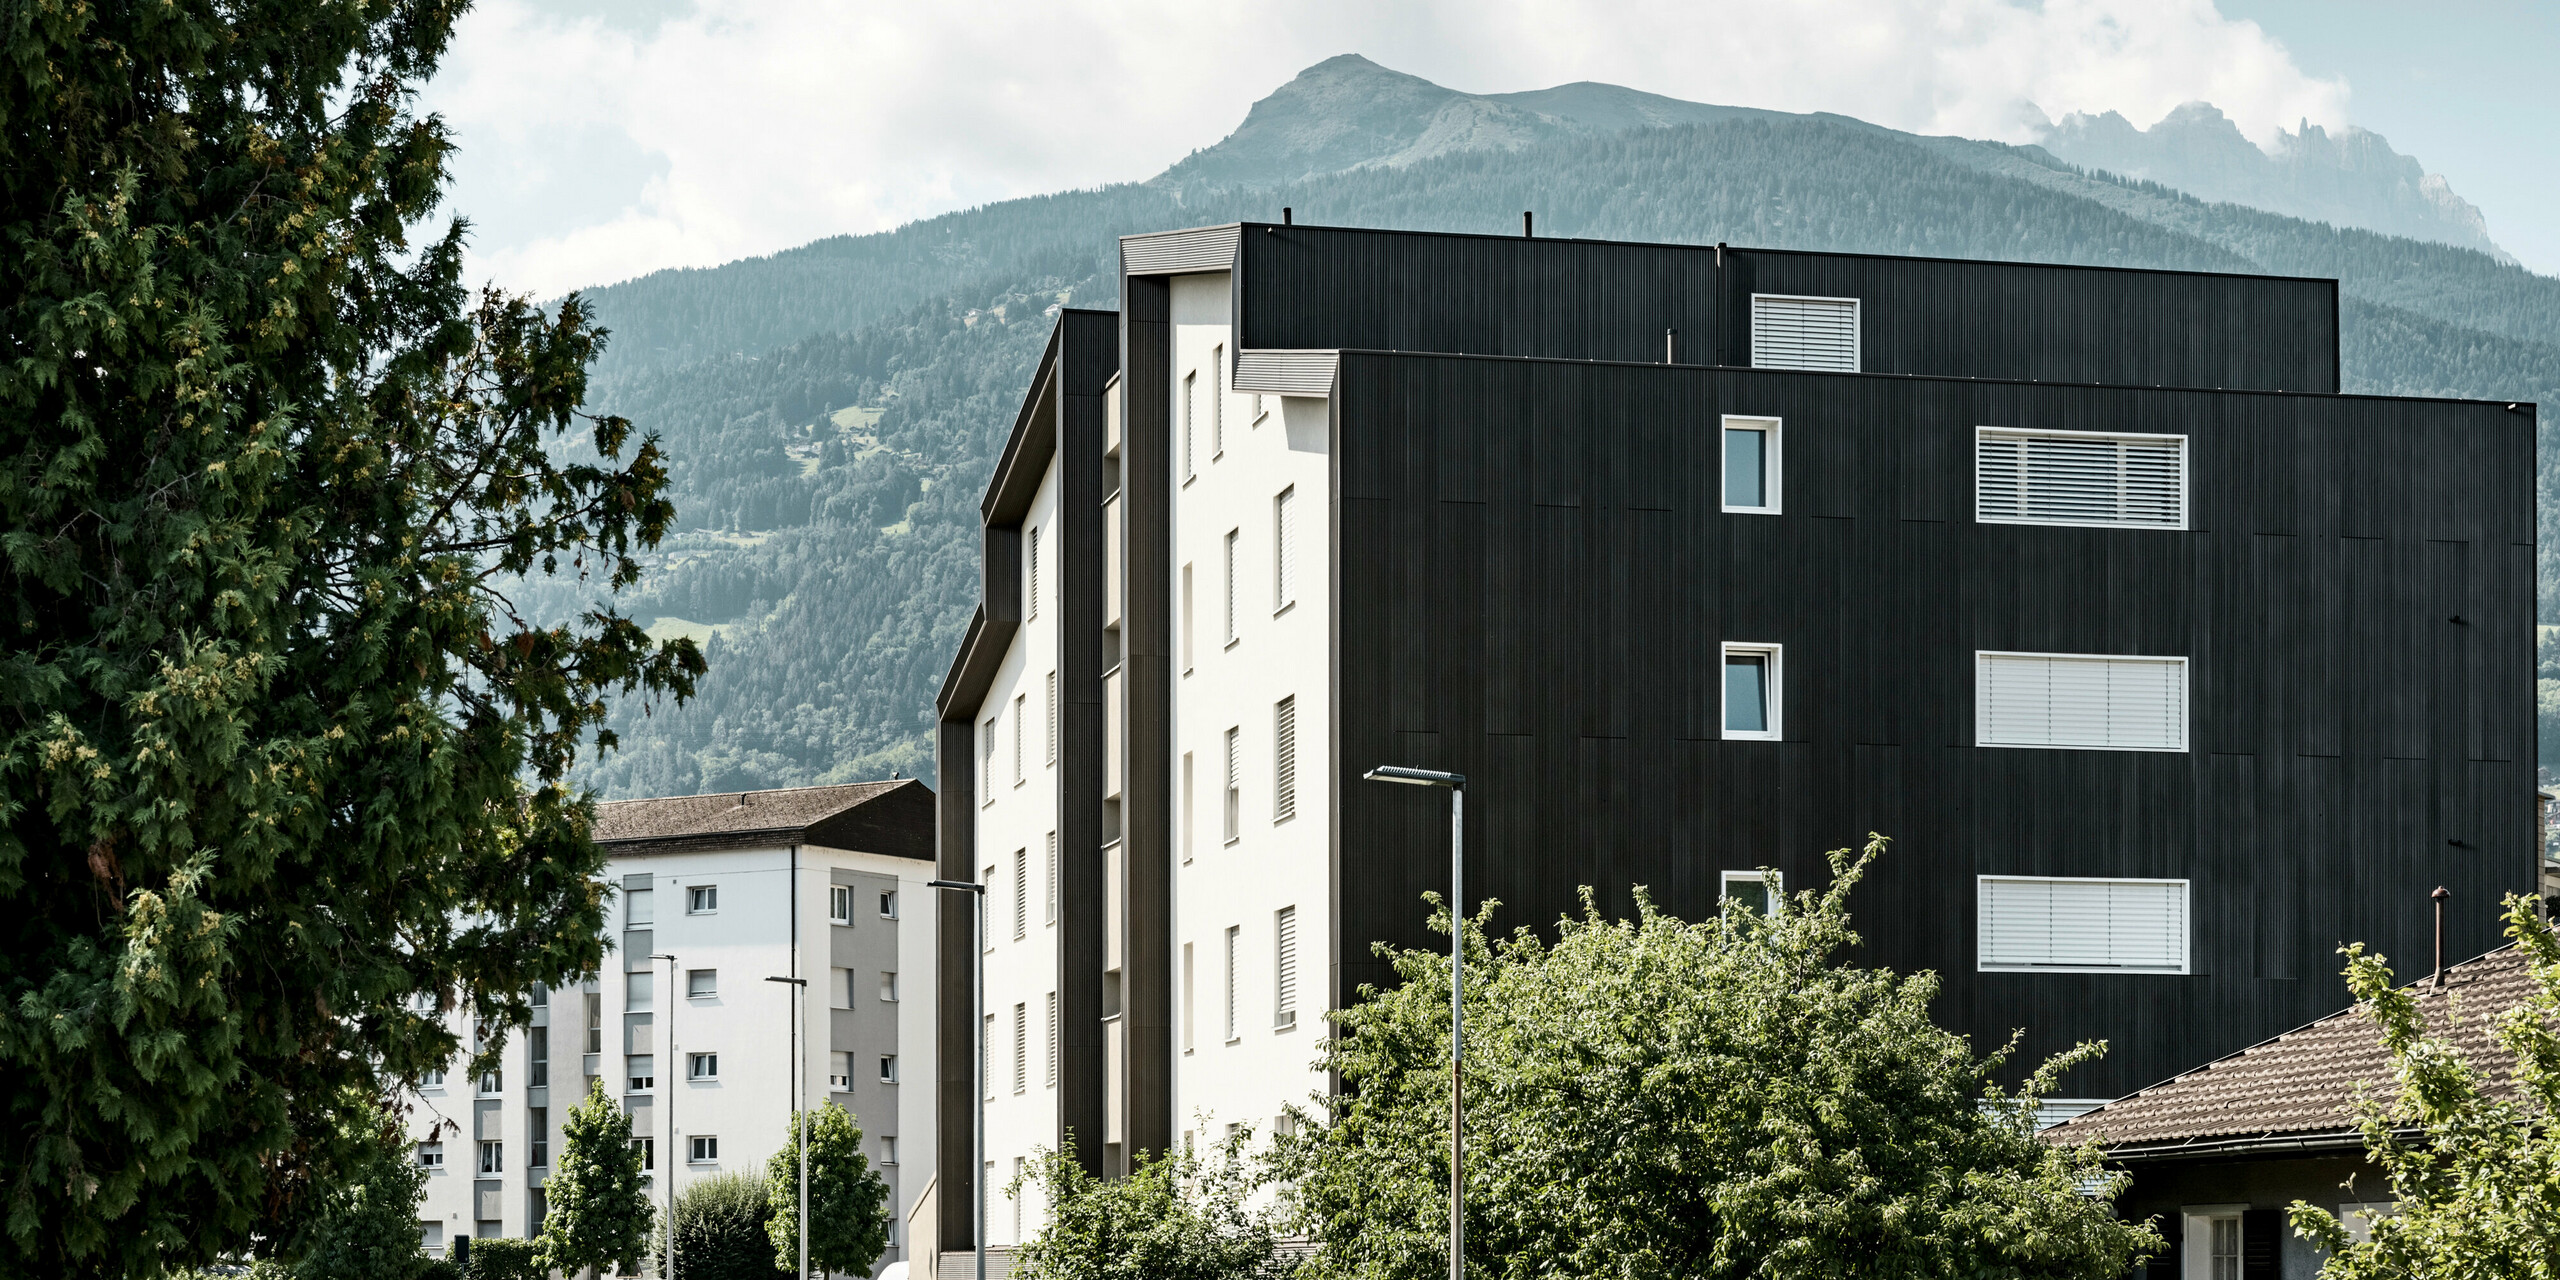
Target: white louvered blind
pixel 1053 717
pixel 1284 757
pixel 1231 584
pixel 1021 1047
pixel 1021 892
pixel 2123 926
pixel 1190 384
pixel 1235 785
pixel 1285 963
pixel 2135 482
pixel 1804 333
pixel 1217 401
pixel 1284 589
pixel 1232 931
pixel 1031 552
pixel 1020 700
pixel 1052 1079
pixel 2080 700
pixel 1052 916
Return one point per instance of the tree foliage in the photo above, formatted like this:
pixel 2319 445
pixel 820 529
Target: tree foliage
pixel 1723 1098
pixel 596 1202
pixel 366 1228
pixel 1174 1217
pixel 720 1229
pixel 848 1202
pixel 281 768
pixel 2478 1185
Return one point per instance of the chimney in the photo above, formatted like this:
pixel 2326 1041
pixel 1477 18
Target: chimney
pixel 2439 896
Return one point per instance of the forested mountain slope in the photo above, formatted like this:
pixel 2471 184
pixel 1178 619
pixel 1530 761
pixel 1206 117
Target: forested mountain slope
pixel 829 477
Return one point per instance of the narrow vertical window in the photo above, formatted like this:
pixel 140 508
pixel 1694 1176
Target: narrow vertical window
pixel 1051 1079
pixel 1052 863
pixel 1260 407
pixel 1751 691
pixel 1053 717
pixel 1021 1047
pixel 1284 588
pixel 987 877
pixel 1284 961
pixel 1284 759
pixel 1189 819
pixel 1018 701
pixel 1031 574
pixel 1021 893
pixel 1190 997
pixel 1186 619
pixel 1235 787
pixel 987 1037
pixel 1751 468
pixel 987 763
pixel 1231 585
pixel 1190 384
pixel 1217 401
pixel 1232 937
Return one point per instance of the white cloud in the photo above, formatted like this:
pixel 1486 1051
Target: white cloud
pixel 597 148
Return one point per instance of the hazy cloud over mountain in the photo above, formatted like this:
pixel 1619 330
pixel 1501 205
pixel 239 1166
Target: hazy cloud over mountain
pixel 606 138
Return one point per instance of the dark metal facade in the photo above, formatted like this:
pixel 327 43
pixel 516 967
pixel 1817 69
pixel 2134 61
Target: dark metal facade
pixel 1533 575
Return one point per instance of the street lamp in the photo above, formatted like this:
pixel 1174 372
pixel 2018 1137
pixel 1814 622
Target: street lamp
pixel 1457 785
pixel 670 1096
pixel 799 1097
pixel 977 1071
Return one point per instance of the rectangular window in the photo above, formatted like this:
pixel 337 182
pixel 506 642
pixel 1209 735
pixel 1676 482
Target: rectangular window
pixel 1231 584
pixel 840 988
pixel 2033 924
pixel 1751 889
pixel 1051 861
pixel 1021 893
pixel 888 1148
pixel 433 1079
pixel 1018 701
pixel 1284 960
pixel 701 982
pixel 1190 998
pixel 537 1054
pixel 1791 332
pixel 1217 402
pixel 1234 933
pixel 987 877
pixel 1053 718
pixel 704 1149
pixel 987 763
pixel 889 906
pixel 702 899
pixel 840 1072
pixel 1753 681
pixel 1260 407
pixel 2079 478
pixel 493 1157
pixel 1284 759
pixel 1188 818
pixel 638 908
pixel 1021 1047
pixel 1751 470
pixel 702 1066
pixel 1049 1027
pixel 648 1148
pixel 493 1083
pixel 839 904
pixel 643 1071
pixel 595 1022
pixel 431 1155
pixel 1031 573
pixel 2100 701
pixel 1186 619
pixel 431 1238
pixel 537 1123
pixel 1284 586
pixel 1235 786
pixel 889 986
pixel 2215 1244
pixel 888 1068
pixel 1190 395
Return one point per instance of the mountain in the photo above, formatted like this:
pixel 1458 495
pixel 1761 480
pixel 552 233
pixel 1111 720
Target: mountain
pixel 2354 179
pixel 832 413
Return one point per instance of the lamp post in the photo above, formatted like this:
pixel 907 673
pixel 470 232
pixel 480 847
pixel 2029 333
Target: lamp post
pixel 670 1096
pixel 1457 785
pixel 977 1070
pixel 799 1108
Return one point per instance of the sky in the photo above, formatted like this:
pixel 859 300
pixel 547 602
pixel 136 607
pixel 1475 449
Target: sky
pixel 604 139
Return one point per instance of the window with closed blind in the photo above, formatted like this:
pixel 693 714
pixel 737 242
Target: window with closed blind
pixel 1031 573
pixel 1021 1047
pixel 1284 759
pixel 1053 717
pixel 1217 402
pixel 1235 786
pixel 1791 332
pixel 1021 892
pixel 1284 963
pixel 2036 924
pixel 1231 585
pixel 2079 478
pixel 2065 700
pixel 1284 584
pixel 1051 1079
pixel 1190 395
pixel 1232 936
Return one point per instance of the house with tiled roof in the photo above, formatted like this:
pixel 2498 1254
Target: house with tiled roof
pixel 2217 1153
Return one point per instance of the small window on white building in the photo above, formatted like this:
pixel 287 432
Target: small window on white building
pixel 1050 865
pixel 493 1083
pixel 639 991
pixel 430 1155
pixel 2098 701
pixel 1217 402
pixel 638 908
pixel 840 1071
pixel 431 1238
pixel 433 1078
pixel 642 1069
pixel 2080 478
pixel 1791 331
pixel 1752 889
pixel 888 1068
pixel 1232 534
pixel 1186 619
pixel 1190 809
pixel 1284 575
pixel 701 899
pixel 1284 964
pixel 1753 684
pixel 648 1149
pixel 1234 934
pixel 1050 1037
pixel 1021 1046
pixel 1190 411
pixel 1031 573
pixel 1021 893
pixel 839 904
pixel 1053 718
pixel 699 983
pixel 702 1066
pixel 888 1148
pixel 2047 924
pixel 1284 759
pixel 1751 465
pixel 493 1157
pixel 987 762
pixel 1235 786
pixel 705 1149
pixel 889 906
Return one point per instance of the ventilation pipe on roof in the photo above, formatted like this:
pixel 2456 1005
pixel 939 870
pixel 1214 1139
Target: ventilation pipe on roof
pixel 2439 895
pixel 1288 217
pixel 1528 224
pixel 1671 346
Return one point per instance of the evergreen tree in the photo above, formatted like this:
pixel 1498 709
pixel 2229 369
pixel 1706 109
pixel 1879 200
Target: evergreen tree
pixel 281 768
pixel 596 1209
pixel 848 1203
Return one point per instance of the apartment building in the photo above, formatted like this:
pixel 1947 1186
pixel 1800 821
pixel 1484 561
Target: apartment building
pixel 714 896
pixel 2167 667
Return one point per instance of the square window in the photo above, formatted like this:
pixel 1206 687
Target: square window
pixel 1755 890
pixel 840 1072
pixel 839 904
pixel 888 906
pixel 1753 682
pixel 702 899
pixel 702 1066
pixel 643 1071
pixel 430 1155
pixel 492 1083
pixel 888 1068
pixel 699 983
pixel 705 1148
pixel 432 1080
pixel 1751 465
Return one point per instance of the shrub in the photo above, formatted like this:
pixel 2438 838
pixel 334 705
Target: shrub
pixel 503 1259
pixel 720 1230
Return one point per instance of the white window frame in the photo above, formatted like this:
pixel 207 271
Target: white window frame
pixel 1053 716
pixel 1234 941
pixel 2186 509
pixel 2196 1224
pixel 888 1068
pixel 702 899
pixel 1021 893
pixel 1217 402
pixel 493 1156
pixel 1284 591
pixel 702 1148
pixel 1773 460
pixel 1190 397
pixel 632 1066
pixel 888 985
pixel 889 905
pixel 2186 700
pixel 1020 702
pixel 1284 969
pixel 987 764
pixel 1768 880
pixel 1777 667
pixel 840 1071
pixel 702 1068
pixel 1857 331
pixel 840 904
pixel 1233 796
pixel 2186 913
pixel 1284 759
pixel 708 989
pixel 431 1156
pixel 1234 536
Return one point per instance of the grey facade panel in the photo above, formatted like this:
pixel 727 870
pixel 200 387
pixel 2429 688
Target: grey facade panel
pixel 1286 373
pixel 488 1199
pixel 1167 253
pixel 637 946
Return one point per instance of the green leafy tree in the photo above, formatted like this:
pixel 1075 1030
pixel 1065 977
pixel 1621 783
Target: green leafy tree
pixel 367 1227
pixel 2478 1185
pixel 721 1230
pixel 1723 1098
pixel 279 760
pixel 596 1209
pixel 1175 1217
pixel 848 1202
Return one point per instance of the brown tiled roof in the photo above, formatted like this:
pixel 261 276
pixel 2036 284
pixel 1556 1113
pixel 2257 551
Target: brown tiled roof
pixel 894 817
pixel 2296 1088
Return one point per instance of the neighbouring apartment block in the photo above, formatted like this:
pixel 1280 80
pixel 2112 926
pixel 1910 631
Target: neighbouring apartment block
pixel 712 898
pixel 2166 666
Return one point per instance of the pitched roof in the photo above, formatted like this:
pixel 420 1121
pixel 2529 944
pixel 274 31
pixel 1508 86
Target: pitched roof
pixel 2294 1090
pixel 893 817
